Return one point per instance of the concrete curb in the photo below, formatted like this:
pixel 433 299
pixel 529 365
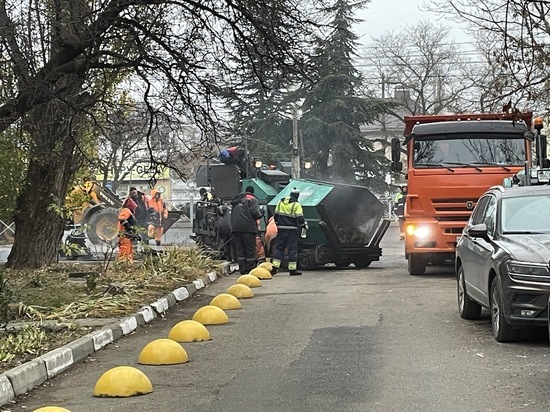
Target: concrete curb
pixel 29 375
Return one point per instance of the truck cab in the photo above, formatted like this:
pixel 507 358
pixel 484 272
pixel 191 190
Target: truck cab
pixel 451 161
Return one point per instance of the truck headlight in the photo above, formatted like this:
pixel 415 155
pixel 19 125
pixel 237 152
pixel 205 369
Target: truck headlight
pixel 420 232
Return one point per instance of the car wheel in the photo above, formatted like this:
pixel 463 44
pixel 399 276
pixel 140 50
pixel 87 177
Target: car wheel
pixel 342 263
pixel 467 308
pixel 362 263
pixel 502 331
pixel 417 264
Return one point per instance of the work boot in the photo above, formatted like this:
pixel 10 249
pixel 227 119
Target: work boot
pixel 295 273
pixel 274 270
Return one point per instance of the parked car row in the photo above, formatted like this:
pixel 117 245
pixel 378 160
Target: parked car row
pixel 503 260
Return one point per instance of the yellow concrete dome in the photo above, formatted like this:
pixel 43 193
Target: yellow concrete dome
pixel 261 273
pixel 266 265
pixel 250 281
pixel 189 331
pixel 162 352
pixel 51 409
pixel 210 315
pixel 240 291
pixel 226 301
pixel 122 382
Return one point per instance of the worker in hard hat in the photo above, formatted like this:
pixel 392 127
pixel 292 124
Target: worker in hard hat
pixel 399 209
pixel 260 247
pixel 206 196
pixel 158 213
pixel 127 230
pixel 289 218
pixel 244 227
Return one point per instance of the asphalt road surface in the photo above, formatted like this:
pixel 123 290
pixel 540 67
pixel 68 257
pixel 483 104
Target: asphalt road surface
pixel 376 339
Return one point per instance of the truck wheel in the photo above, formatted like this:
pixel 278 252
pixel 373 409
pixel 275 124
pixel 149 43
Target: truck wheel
pixel 467 308
pixel 306 262
pixel 102 226
pixel 417 264
pixel 502 331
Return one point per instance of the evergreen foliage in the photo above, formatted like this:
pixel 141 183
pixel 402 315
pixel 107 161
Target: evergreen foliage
pixel 334 109
pixel 257 102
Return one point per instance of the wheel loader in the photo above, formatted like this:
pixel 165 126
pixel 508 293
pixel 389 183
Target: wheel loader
pixel 95 212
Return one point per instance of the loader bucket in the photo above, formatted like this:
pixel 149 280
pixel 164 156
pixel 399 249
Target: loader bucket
pixel 173 217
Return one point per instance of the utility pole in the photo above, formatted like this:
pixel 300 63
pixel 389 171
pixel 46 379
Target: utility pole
pixel 295 147
pixel 246 157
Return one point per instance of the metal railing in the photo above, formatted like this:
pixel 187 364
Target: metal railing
pixel 388 210
pixel 186 204
pixel 7 230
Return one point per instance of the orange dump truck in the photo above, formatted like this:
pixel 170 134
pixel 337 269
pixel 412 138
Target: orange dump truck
pixel 451 161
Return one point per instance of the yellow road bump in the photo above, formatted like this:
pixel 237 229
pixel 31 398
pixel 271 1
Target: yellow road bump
pixel 250 281
pixel 163 352
pixel 240 291
pixel 261 273
pixel 122 382
pixel 189 331
pixel 225 301
pixel 51 409
pixel 210 315
pixel 266 265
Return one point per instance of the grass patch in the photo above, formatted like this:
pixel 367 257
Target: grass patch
pixel 69 291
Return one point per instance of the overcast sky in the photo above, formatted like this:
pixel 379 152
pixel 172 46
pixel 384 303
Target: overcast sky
pixel 387 15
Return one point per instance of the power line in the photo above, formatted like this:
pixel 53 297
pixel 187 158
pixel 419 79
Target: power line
pixel 415 46
pixel 390 64
pixel 462 53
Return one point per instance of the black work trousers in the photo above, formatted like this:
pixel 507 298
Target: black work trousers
pixel 286 239
pixel 246 251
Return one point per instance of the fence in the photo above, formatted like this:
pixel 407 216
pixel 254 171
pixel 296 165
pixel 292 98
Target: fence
pixel 7 231
pixel 185 204
pixel 388 209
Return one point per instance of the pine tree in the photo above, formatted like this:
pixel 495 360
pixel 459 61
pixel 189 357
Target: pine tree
pixel 334 109
pixel 256 108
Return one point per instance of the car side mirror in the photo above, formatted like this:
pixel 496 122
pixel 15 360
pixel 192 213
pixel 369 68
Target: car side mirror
pixel 479 230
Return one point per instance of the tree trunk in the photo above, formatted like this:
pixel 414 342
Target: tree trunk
pixel 53 160
pixel 55 129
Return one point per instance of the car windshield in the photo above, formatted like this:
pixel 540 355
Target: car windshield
pixel 529 214
pixel 469 151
